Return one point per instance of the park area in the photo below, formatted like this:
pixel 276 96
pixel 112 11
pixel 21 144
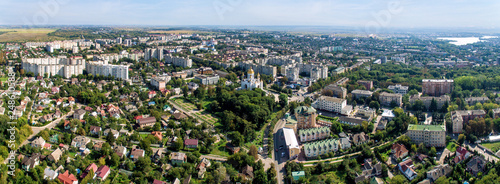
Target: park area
pixel 191 108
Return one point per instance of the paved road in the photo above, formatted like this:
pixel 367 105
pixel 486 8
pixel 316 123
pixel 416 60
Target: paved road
pixel 279 162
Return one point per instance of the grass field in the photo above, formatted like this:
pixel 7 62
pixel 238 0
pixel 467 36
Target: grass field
pixel 452 147
pixel 495 146
pixel 16 35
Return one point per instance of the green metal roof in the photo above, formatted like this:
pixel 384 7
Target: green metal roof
pixel 310 131
pixel 321 144
pixel 427 127
pixel 304 109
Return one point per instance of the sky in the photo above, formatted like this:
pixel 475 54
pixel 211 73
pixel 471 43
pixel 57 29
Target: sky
pixel 371 14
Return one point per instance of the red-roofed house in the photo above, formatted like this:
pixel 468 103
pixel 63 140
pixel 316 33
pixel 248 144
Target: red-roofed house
pixel 67 178
pixel 102 172
pixel 157 134
pixel 47 146
pixel 461 154
pixel 191 143
pixel 159 182
pixel 71 100
pixel 406 167
pixel 399 151
pixel 151 94
pixel 92 167
pixel 55 90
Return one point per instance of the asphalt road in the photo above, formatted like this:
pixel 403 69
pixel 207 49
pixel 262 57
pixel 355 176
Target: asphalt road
pixel 279 161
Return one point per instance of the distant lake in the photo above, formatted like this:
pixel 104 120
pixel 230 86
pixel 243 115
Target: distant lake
pixel 465 40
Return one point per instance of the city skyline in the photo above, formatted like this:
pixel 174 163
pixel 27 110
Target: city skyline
pixel 369 14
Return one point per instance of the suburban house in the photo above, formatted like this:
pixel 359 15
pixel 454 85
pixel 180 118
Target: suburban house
pixel 406 167
pixel 191 143
pixel 55 155
pixel 232 148
pixel 461 154
pixel 38 143
pixel 79 114
pixel 80 142
pixel 30 162
pixel 57 114
pixel 98 146
pixel 178 158
pixel 158 135
pixel 476 164
pixel 113 132
pixel 360 138
pixel 247 172
pixel 92 167
pixel 157 155
pixel 135 154
pixel 46 118
pixel 67 178
pixel 202 167
pixel 95 130
pixel 438 171
pixel 49 174
pixel 146 122
pixel 102 172
pixel 399 151
pixel 120 151
pixel 71 100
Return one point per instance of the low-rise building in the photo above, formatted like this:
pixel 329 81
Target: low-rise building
pixel 208 79
pixel 361 94
pixel 317 148
pixel 292 145
pixel 438 171
pixel 313 134
pixel 474 100
pixel 80 142
pixel 160 81
pixel 399 151
pixel 338 91
pixel 178 158
pixel 135 154
pixel 406 167
pixel 367 84
pixel 146 122
pixel 398 89
pixel 332 104
pixel 427 100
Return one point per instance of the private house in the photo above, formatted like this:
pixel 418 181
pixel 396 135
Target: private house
pixel 461 154
pixel 399 151
pixel 46 118
pixel 55 155
pixel 360 138
pixel 95 130
pixel 71 101
pixel 49 174
pixel 476 164
pixel 344 143
pixel 233 149
pixel 157 155
pixel 30 162
pixel 177 158
pixel 158 135
pixel 102 173
pixel 79 114
pixel 202 167
pixel 98 146
pixel 438 171
pixel 92 167
pixel 151 94
pixel 57 114
pixel 120 151
pixel 247 172
pixel 80 142
pixel 67 178
pixel 406 167
pixel 191 143
pixel 38 143
pixel 111 131
pixel 135 154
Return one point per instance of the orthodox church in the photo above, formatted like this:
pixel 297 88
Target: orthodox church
pixel 251 82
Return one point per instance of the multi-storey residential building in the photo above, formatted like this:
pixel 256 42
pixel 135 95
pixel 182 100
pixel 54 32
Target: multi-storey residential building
pixel 292 73
pixel 387 98
pixel 62 66
pixel 437 87
pixel 332 104
pixel 150 53
pixel 427 100
pixel 179 61
pixel 367 84
pixel 292 145
pixel 208 79
pixel 361 93
pixel 399 89
pixel 306 117
pixel 459 118
pixel 313 134
pixel 430 135
pixel 315 149
pixel 102 68
pixel 338 91
pixel 160 82
pixel 474 100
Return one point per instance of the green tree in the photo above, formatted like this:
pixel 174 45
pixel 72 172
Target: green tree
pixel 283 99
pixel 398 179
pixel 461 139
pixel 374 105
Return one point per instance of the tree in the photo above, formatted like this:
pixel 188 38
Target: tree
pixel 114 161
pixel 398 179
pixel 236 138
pixel 271 175
pixel 433 106
pixel 461 139
pixel 254 152
pixel 185 91
pixel 442 180
pixel 374 105
pixel 110 138
pixel 283 99
pixel 432 151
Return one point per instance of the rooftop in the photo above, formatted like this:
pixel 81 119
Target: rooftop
pixel 427 127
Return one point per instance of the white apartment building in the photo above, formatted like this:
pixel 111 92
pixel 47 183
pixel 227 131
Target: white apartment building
pixel 102 68
pixel 179 61
pixel 398 89
pixel 62 66
pixel 332 104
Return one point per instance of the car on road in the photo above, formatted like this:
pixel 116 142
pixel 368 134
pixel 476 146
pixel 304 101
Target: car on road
pixel 281 147
pixel 282 154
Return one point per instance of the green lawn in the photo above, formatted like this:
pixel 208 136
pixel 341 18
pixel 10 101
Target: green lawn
pixel 220 149
pixel 494 146
pixel 452 147
pixel 3 79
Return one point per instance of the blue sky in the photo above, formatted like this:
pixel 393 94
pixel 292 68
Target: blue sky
pixel 363 13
